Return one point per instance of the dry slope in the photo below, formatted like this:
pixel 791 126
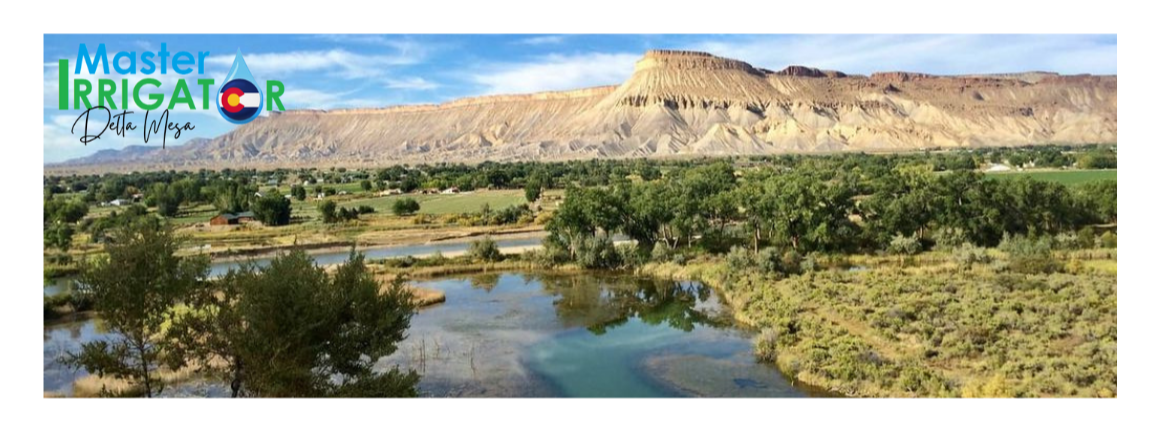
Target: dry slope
pixel 675 103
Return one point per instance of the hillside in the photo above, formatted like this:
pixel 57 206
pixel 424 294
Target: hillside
pixel 676 103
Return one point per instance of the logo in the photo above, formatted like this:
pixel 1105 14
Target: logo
pixel 110 101
pixel 240 100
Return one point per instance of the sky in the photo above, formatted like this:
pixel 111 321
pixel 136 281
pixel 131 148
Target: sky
pixel 345 71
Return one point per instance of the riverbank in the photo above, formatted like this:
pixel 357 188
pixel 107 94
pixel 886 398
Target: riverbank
pixel 929 330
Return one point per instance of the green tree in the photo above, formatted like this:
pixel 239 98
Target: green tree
pixel 294 330
pixel 366 185
pixel 404 206
pixel 273 209
pixel 59 235
pixel 134 289
pixel 299 192
pixel 166 198
pixel 532 190
pixel 328 211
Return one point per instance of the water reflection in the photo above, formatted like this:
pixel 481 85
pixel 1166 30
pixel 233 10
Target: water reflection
pixel 529 335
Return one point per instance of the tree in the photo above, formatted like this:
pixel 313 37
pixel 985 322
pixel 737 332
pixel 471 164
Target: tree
pixel 299 192
pixel 64 211
pixel 328 211
pixel 134 289
pixel 532 190
pixel 366 185
pixel 166 198
pixel 59 235
pixel 294 330
pixel 404 206
pixel 273 209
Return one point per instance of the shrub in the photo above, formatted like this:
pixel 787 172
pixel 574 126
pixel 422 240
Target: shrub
pixel 809 264
pixel 630 256
pixel 554 252
pixel 404 206
pixel 597 252
pixel 765 344
pixel 1087 237
pixel 968 255
pixel 1029 256
pixel 739 259
pixel 790 262
pixel 770 261
pixel 1066 241
pixel 1107 240
pixel 905 246
pixel 949 238
pixel 660 253
pixel 485 250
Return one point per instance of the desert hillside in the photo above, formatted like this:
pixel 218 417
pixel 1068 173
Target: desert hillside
pixel 675 103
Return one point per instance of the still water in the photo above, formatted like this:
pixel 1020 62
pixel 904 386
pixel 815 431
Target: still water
pixel 537 335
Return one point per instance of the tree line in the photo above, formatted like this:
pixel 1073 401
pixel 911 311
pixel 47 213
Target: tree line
pixel 833 205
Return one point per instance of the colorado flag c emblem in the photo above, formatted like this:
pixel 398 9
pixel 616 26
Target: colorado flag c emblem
pixel 240 101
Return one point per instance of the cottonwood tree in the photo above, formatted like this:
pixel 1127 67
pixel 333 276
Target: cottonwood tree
pixel 134 289
pixel 294 330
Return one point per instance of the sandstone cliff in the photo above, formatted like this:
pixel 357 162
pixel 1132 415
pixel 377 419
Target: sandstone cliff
pixel 675 103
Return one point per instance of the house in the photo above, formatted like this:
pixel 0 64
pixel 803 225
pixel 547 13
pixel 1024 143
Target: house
pixel 451 190
pixel 997 168
pixel 384 193
pixel 231 219
pixel 430 191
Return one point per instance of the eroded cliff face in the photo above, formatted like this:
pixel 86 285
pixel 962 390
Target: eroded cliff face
pixel 677 103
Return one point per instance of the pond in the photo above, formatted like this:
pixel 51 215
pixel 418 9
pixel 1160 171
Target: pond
pixel 583 335
pixel 550 335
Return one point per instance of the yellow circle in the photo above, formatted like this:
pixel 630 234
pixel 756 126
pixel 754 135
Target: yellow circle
pixel 233 100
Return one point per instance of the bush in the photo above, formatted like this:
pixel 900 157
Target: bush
pixel 905 246
pixel 949 238
pixel 1107 240
pixel 809 264
pixel 660 253
pixel 770 261
pixel 597 252
pixel 1029 256
pixel 404 206
pixel 968 255
pixel 1067 241
pixel 630 256
pixel 739 259
pixel 554 252
pixel 485 250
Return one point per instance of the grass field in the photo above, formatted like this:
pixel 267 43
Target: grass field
pixel 1067 177
pixel 448 203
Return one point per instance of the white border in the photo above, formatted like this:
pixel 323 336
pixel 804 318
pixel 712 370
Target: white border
pixel 1141 304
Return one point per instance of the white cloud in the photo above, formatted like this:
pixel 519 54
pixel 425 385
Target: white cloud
pixel 543 40
pixel 340 62
pixel 939 54
pixel 411 83
pixel 321 100
pixel 556 72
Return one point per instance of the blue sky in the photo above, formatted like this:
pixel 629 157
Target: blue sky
pixel 339 71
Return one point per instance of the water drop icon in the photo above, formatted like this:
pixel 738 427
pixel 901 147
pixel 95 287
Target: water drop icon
pixel 240 99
